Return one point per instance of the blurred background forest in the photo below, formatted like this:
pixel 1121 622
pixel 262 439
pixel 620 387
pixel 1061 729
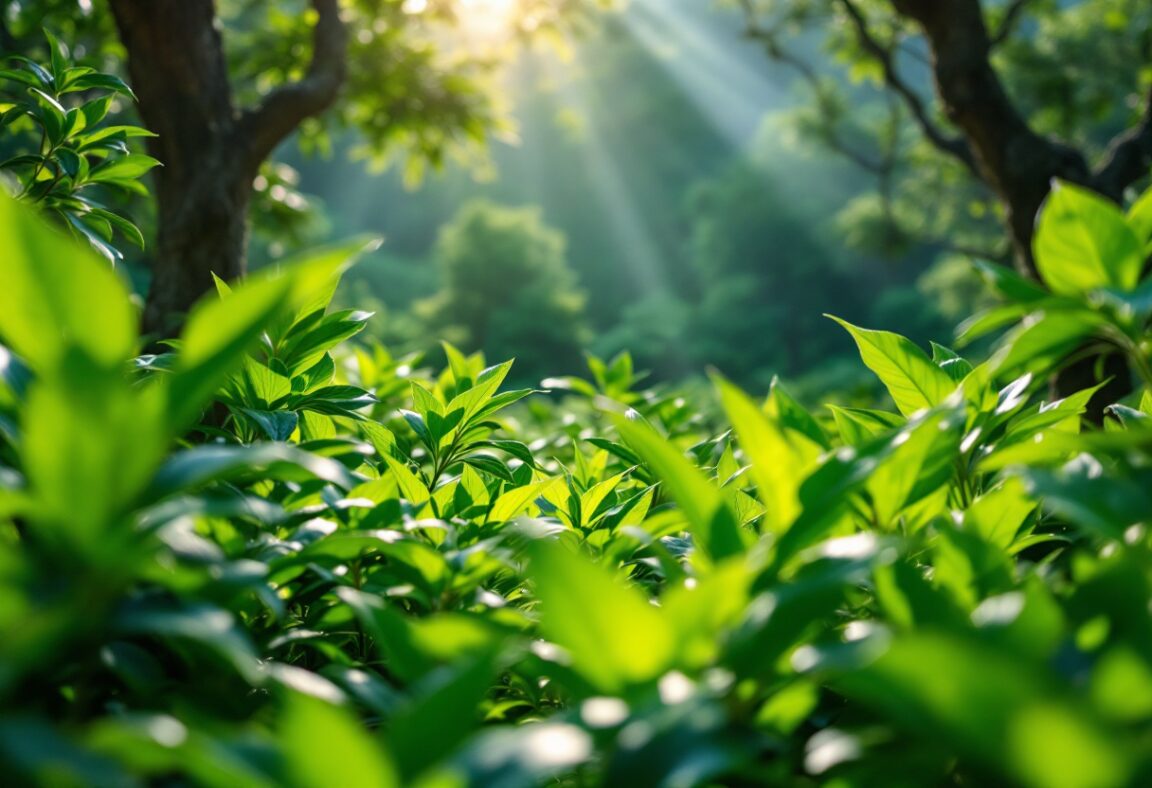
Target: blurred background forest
pixel 655 194
pixel 694 181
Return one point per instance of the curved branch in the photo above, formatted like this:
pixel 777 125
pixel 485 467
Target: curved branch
pixel 1127 159
pixel 264 126
pixel 1011 157
pixel 1008 22
pixel 951 145
pixel 832 136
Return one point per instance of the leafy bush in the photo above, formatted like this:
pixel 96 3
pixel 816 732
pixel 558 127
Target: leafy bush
pixel 764 277
pixel 506 288
pixel 66 153
pixel 1092 257
pixel 264 559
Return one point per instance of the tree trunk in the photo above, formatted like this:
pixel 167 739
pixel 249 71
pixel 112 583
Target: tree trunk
pixel 202 230
pixel 177 67
pixel 210 150
pixel 1017 163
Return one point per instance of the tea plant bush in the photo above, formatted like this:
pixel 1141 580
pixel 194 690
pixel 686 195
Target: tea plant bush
pixel 266 557
pixel 63 153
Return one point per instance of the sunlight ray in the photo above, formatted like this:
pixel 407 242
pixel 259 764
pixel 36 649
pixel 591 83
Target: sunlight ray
pixel 642 261
pixel 724 85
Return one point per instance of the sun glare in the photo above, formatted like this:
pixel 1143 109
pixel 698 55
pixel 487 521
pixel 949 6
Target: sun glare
pixel 487 18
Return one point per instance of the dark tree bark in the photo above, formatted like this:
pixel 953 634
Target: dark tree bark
pixel 1016 162
pixel 210 149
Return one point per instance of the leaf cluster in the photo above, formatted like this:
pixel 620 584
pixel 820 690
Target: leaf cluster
pixel 263 559
pixel 57 114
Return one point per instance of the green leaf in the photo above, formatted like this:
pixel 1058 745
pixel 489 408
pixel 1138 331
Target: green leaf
pixel 1044 339
pixel 124 167
pixel 461 373
pixel 705 507
pixel 1007 714
pixel 216 339
pixel 96 110
pixel 301 349
pixel 1083 242
pixel 994 319
pixel 998 515
pixel 101 447
pixel 381 438
pixel 41 73
pixel 316 274
pixel 1125 415
pixel 126 227
pixel 410 485
pixel 616 639
pixel 325 745
pixel 826 493
pixel 112 137
pixel 516 500
pixel 24 77
pixel 1010 283
pixel 57 55
pixel 914 382
pixel 50 287
pixel 780 461
pixel 418 425
pixel 1140 218
pixel 213 628
pixel 793 416
pixel 334 400
pixel 441 715
pixel 922 461
pixel 859 425
pixel 950 361
pixel 535 753
pixel 1048 415
pixel 592 499
pixel 493 466
pixel 1081 493
pixel 478 401
pixel 93 80
pixel 276 425
pixel 194 468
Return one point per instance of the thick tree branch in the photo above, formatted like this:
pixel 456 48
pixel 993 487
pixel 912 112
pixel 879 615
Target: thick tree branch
pixel 1009 21
pixel 1015 161
pixel 1127 159
pixel 953 146
pixel 831 133
pixel 264 126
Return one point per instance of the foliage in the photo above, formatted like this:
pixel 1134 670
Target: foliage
pixel 1074 73
pixel 62 151
pixel 506 289
pixel 1091 256
pixel 419 88
pixel 260 559
pixel 753 260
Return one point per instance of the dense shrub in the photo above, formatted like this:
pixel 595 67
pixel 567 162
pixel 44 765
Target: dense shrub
pixel 506 288
pixel 265 558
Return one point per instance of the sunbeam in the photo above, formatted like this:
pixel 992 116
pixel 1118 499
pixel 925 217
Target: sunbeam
pixel 640 258
pixel 725 86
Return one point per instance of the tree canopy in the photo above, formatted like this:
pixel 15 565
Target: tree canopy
pixel 506 288
pixel 965 110
pixel 223 84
